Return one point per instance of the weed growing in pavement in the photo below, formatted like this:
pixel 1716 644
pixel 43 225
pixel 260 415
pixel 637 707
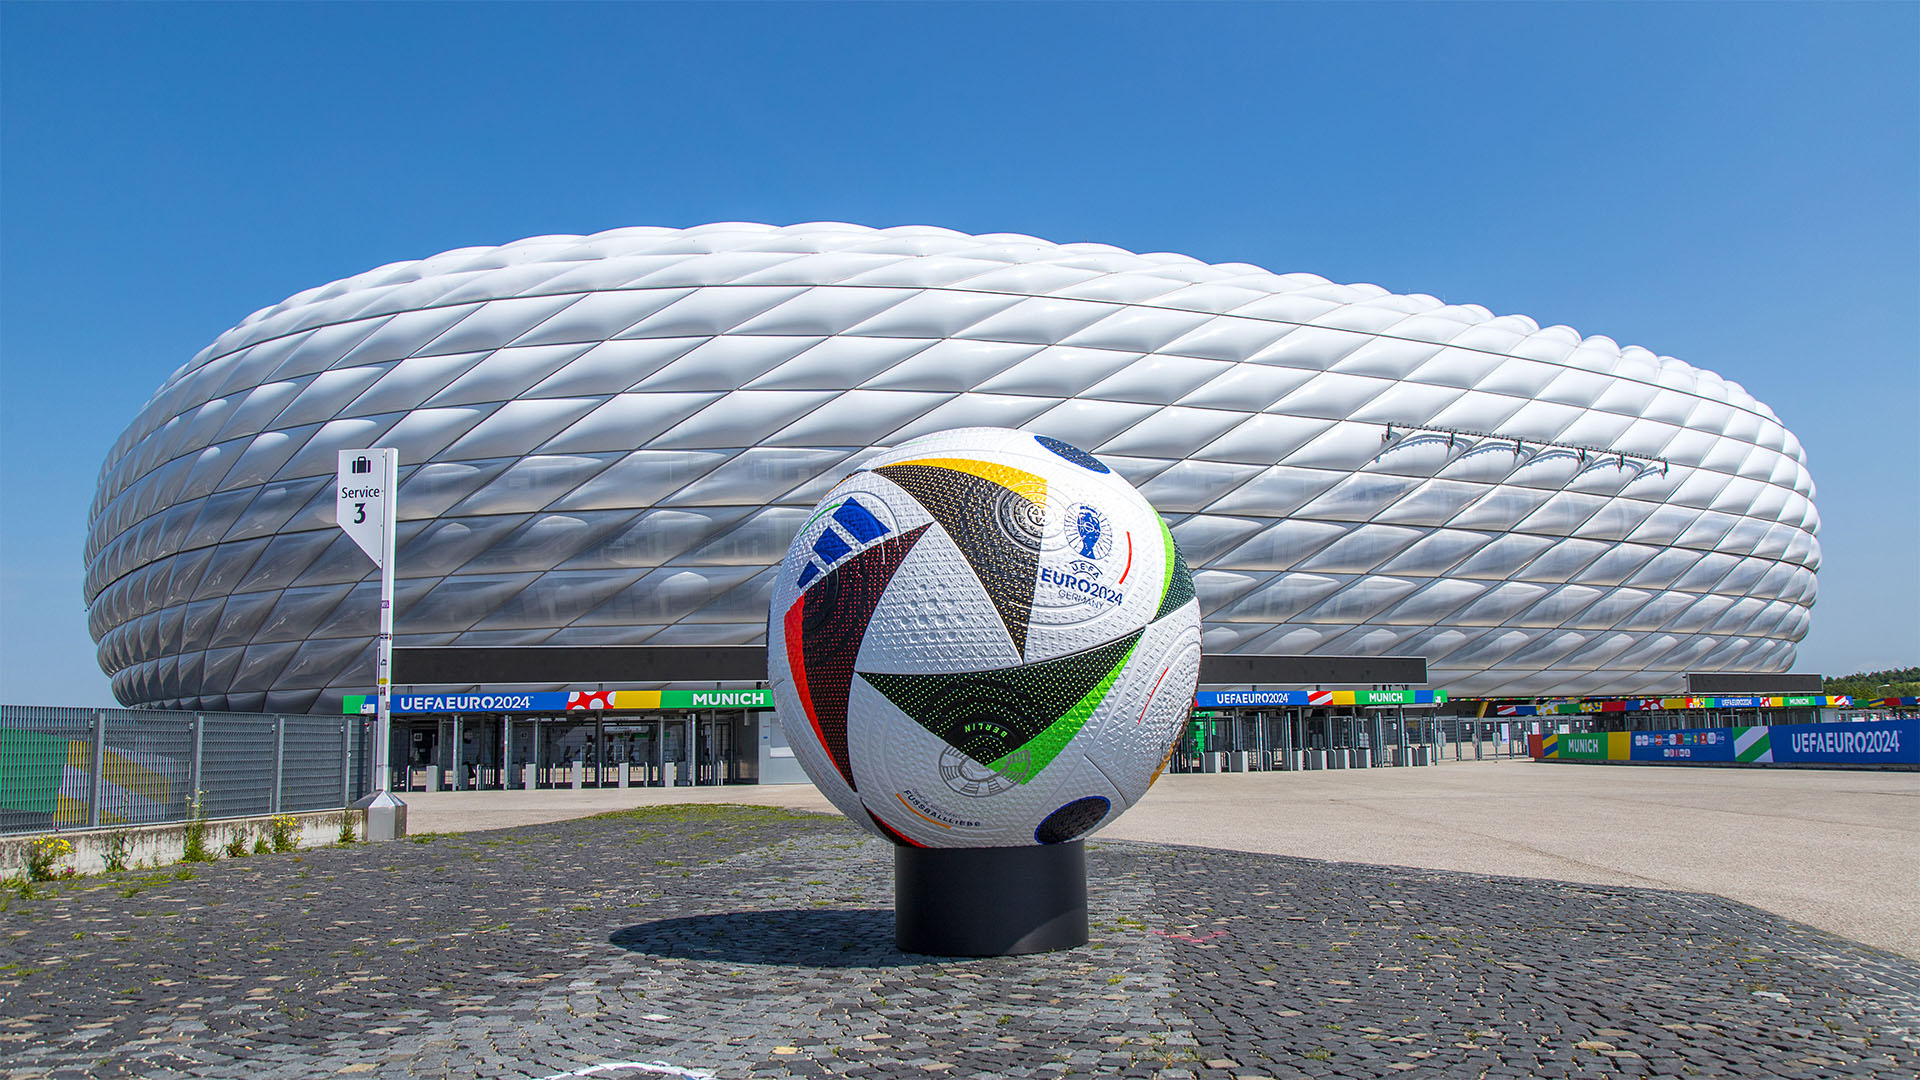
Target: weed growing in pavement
pixel 237 844
pixel 119 847
pixel 194 846
pixel 346 829
pixel 283 832
pixel 260 845
pixel 43 858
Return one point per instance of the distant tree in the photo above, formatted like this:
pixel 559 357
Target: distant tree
pixel 1896 682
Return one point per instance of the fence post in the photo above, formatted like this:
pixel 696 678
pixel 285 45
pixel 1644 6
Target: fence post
pixel 279 761
pixel 98 793
pixel 193 770
pixel 506 751
pixel 346 763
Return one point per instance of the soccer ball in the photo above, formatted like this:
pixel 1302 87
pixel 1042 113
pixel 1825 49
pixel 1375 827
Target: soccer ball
pixel 983 638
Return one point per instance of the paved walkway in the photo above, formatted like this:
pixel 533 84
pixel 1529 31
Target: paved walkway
pixel 1837 850
pixel 729 942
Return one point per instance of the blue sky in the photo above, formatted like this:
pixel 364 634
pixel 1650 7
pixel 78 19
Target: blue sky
pixel 1738 186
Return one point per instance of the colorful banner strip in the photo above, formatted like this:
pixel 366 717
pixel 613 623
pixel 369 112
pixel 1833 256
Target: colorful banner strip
pixel 565 701
pixel 1228 699
pixel 1591 706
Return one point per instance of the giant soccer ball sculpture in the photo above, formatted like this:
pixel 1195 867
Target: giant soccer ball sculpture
pixel 983 640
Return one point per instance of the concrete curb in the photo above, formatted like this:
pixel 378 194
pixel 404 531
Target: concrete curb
pixel 163 845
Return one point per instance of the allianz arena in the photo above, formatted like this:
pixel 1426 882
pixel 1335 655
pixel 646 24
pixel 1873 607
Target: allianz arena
pixel 610 439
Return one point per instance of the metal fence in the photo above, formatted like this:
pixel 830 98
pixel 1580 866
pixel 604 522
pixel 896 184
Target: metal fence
pixel 97 768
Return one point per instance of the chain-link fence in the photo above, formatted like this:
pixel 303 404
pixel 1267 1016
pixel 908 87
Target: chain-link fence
pixel 97 768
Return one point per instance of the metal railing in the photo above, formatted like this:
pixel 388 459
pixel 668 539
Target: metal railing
pixel 101 768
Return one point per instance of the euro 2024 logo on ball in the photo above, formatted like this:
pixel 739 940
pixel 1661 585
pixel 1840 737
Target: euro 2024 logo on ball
pixel 983 638
pixel 1092 537
pixel 1086 535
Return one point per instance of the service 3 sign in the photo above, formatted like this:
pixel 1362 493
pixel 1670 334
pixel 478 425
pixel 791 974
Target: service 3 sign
pixel 362 495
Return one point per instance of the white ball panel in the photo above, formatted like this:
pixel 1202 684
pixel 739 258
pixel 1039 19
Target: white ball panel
pixel 1147 706
pixel 936 618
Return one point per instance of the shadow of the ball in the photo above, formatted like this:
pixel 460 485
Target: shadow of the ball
pixel 795 937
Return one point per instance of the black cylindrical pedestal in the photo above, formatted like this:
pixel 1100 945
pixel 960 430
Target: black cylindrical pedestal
pixel 990 901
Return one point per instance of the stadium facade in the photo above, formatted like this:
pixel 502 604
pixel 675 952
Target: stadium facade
pixel 610 439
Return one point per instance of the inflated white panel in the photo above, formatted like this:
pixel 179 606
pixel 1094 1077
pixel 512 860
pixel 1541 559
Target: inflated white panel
pixel 947 365
pixel 328 393
pixel 628 402
pixel 515 427
pixel 856 418
pixel 1059 371
pixel 598 316
pixel 723 363
pixel 507 373
pixel 1192 486
pixel 495 323
pixel 529 484
pixel 976 410
pixel 823 311
pixel 837 363
pixel 610 367
pixel 709 311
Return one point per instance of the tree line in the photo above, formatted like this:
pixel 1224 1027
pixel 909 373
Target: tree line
pixel 1895 682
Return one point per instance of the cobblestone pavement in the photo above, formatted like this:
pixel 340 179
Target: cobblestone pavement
pixel 729 942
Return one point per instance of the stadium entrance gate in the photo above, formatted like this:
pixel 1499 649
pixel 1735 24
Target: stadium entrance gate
pixel 463 751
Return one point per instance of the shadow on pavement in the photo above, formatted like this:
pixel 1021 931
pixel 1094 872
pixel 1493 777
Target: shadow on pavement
pixel 803 937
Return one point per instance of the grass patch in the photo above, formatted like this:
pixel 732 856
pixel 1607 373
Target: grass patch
pixel 141 883
pixel 710 813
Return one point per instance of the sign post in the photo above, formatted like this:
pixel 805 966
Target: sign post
pixel 366 509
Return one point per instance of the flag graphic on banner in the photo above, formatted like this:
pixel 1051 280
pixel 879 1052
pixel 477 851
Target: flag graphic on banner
pixel 1750 744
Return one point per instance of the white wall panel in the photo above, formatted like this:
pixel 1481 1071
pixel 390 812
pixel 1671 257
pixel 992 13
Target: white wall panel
pixel 598 316
pixel 1058 371
pixel 611 367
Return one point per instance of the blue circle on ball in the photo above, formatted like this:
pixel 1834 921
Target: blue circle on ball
pixel 1071 453
pixel 1072 821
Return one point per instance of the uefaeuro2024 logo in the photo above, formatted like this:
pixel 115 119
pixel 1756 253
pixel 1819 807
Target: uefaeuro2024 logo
pixel 1089 540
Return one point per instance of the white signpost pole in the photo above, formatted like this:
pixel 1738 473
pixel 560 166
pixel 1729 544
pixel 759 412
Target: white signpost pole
pixel 367 510
pixel 383 670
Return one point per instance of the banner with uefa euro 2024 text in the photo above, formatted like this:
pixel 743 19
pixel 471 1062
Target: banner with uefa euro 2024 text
pixel 1883 742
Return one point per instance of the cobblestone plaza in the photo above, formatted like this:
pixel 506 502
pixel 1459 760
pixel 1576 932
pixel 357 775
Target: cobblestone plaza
pixel 732 942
